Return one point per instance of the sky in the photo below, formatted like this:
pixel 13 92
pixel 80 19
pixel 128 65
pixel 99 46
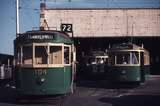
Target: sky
pixel 29 14
pixel 104 4
pixel 29 18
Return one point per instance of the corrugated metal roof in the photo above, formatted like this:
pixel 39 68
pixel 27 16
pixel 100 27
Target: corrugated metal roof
pixel 104 4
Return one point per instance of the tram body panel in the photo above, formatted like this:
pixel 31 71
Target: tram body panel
pixel 124 73
pixel 48 82
pixel 145 72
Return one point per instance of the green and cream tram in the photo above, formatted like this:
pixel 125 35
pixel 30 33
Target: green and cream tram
pixel 44 63
pixel 128 63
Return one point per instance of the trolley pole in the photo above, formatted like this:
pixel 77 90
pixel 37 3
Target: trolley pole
pixel 43 22
pixel 17 18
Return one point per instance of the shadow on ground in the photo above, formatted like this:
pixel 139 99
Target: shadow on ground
pixel 9 96
pixel 105 84
pixel 133 100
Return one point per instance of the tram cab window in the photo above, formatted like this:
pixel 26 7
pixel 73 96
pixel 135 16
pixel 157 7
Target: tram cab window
pixel 27 55
pixel 66 55
pixel 41 54
pixel 123 58
pixel 55 55
pixel 127 58
pixel 100 60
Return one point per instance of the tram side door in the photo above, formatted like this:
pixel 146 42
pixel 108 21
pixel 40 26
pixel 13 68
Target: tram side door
pixel 142 71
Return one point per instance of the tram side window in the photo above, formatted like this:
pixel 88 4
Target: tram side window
pixel 55 55
pixel 27 55
pixel 41 54
pixel 66 55
pixel 146 59
pixel 18 55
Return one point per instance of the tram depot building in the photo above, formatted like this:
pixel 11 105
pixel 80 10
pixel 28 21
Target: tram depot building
pixel 98 28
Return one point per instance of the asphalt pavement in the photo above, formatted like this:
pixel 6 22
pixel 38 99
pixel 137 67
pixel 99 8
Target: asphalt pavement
pixel 92 93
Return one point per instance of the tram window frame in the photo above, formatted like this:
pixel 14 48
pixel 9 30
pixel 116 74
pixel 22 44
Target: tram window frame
pixel 34 54
pixel 19 55
pixel 40 55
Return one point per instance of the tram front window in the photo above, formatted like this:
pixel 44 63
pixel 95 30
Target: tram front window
pixel 41 54
pixel 123 58
pixel 127 58
pixel 55 56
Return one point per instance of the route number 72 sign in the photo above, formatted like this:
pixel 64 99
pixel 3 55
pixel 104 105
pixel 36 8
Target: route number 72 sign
pixel 66 27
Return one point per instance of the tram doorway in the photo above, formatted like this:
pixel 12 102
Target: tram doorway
pixel 152 44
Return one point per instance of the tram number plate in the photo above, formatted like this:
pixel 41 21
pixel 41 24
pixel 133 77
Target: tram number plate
pixel 39 72
pixel 66 27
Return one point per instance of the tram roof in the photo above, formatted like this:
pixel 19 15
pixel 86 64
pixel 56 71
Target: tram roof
pixel 39 36
pixel 126 46
pixel 98 53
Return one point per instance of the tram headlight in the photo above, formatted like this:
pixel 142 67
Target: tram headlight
pixel 123 71
pixel 138 78
pixel 40 81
